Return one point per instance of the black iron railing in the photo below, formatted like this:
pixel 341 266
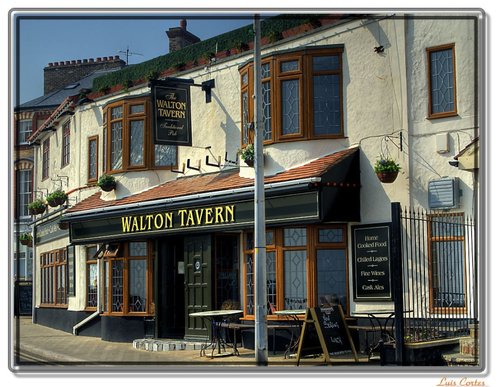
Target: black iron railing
pixel 440 275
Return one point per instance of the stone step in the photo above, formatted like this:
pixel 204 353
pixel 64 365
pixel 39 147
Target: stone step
pixel 469 346
pixel 156 345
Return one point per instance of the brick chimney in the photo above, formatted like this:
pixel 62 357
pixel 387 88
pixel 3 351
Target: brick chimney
pixel 60 74
pixel 180 37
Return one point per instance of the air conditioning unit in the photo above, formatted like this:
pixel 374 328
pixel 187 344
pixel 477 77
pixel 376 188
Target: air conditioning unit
pixel 444 193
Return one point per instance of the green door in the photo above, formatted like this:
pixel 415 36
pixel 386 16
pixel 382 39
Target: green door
pixel 198 277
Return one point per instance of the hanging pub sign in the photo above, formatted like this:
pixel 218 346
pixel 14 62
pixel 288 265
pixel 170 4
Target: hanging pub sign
pixel 172 112
pixel 372 262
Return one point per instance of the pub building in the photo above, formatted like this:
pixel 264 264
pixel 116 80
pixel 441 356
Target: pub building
pixel 175 235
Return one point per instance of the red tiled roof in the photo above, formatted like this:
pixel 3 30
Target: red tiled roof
pixel 214 182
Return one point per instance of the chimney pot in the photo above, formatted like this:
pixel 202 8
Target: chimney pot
pixel 183 24
pixel 79 61
pixel 67 62
pixel 73 62
pixel 85 60
pixel 51 64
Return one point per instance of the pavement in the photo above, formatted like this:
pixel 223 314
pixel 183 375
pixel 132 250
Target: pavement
pixel 38 348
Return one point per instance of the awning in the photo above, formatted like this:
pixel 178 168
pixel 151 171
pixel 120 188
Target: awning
pixel 326 189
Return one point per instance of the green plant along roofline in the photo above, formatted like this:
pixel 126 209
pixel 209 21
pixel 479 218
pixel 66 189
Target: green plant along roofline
pixel 198 50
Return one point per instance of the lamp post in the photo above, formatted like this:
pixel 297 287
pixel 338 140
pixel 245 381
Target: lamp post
pixel 260 289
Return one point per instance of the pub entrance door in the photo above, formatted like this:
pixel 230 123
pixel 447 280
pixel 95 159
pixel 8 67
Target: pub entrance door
pixel 198 283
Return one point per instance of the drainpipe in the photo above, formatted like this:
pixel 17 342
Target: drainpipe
pixel 98 311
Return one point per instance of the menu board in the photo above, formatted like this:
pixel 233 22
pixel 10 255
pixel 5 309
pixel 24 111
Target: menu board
pixel 372 262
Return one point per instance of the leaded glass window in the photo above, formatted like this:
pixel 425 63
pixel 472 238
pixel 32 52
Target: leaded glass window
pixel 136 143
pixel 92 175
pixel 326 106
pixel 290 106
pixel 249 302
pixel 116 145
pixel 165 155
pixel 295 279
pixel 117 286
pixel 137 285
pixel 331 275
pixel 442 80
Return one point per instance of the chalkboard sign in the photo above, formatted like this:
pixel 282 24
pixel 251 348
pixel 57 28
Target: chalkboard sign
pixel 24 298
pixel 325 331
pixel 372 262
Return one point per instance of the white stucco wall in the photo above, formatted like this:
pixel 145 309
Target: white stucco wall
pixel 426 162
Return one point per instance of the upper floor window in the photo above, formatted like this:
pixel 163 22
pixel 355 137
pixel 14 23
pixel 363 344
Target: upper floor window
pixel 92 159
pixel 65 144
pixel 301 96
pixel 24 181
pixel 128 141
pixel 45 158
pixel 442 81
pixel 24 130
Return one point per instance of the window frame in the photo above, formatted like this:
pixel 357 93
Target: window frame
pixel 65 144
pixel 304 75
pixel 52 263
pixel 122 253
pixel 21 183
pixel 26 133
pixel 45 158
pixel 450 310
pixel 89 168
pixel 278 246
pixel 148 146
pixel 430 51
pixel 90 260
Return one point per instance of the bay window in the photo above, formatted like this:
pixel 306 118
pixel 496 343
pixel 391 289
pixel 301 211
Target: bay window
pixel 301 96
pixel 128 279
pixel 127 137
pixel 306 267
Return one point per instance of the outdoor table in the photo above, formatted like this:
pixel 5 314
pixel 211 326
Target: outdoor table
pixel 293 316
pixel 215 318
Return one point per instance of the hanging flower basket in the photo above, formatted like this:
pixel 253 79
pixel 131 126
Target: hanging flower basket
pixel 63 225
pixel 387 177
pixel 26 239
pixel 37 207
pixel 107 183
pixel 57 198
pixel 387 170
pixel 247 154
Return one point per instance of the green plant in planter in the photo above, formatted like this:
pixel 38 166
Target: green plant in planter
pixel 26 239
pixel 386 169
pixel 107 183
pixel 247 154
pixel 37 207
pixel 57 198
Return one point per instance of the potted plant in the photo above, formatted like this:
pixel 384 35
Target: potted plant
pixel 247 154
pixel 107 183
pixel 57 198
pixel 386 169
pixel 26 239
pixel 37 207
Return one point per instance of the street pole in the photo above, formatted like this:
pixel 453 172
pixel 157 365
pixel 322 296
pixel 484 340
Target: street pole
pixel 260 288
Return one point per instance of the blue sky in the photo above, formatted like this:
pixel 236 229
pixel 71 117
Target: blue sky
pixel 46 38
